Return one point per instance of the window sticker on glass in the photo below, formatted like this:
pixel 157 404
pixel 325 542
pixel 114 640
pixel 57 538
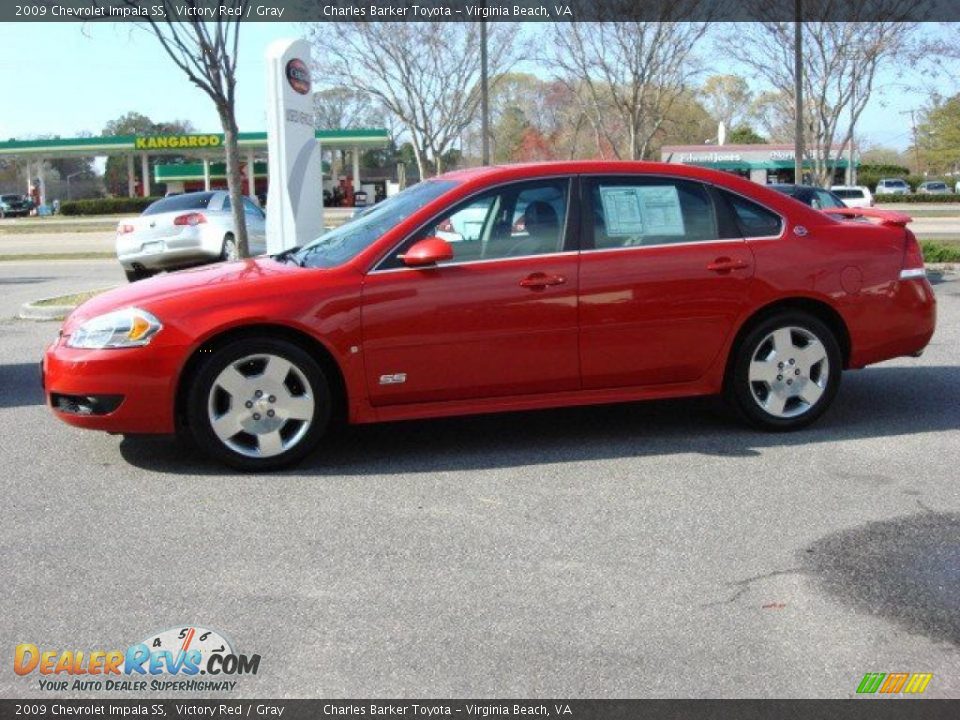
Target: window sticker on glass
pixel 622 213
pixel 631 211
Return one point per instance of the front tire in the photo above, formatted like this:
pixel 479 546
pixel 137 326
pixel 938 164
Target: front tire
pixel 786 372
pixel 259 404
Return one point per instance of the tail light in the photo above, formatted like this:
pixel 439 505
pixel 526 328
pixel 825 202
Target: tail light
pixel 123 229
pixel 446 226
pixel 913 266
pixel 190 219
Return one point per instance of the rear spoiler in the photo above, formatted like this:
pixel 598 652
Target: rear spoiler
pixel 885 217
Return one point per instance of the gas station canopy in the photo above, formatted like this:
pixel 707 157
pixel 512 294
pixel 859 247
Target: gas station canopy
pixel 189 143
pixel 205 146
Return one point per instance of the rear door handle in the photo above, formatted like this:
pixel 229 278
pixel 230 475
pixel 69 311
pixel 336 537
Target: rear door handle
pixel 725 264
pixel 538 281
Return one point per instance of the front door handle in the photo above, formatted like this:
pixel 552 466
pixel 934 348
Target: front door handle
pixel 725 264
pixel 538 281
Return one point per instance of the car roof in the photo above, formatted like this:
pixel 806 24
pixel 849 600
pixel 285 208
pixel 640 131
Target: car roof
pixel 482 176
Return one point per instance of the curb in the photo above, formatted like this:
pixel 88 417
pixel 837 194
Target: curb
pixel 48 312
pixel 32 311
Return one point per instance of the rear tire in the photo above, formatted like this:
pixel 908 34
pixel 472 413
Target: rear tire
pixel 229 252
pixel 135 274
pixel 259 404
pixel 786 372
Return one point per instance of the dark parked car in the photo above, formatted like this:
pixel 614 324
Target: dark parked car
pixel 815 197
pixel 13 205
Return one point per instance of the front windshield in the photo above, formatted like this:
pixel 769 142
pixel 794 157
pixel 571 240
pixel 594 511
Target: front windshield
pixel 350 239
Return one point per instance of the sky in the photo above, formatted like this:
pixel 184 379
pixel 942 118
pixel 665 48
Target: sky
pixel 65 78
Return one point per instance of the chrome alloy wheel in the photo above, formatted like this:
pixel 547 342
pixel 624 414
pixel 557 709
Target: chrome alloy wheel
pixel 788 372
pixel 261 405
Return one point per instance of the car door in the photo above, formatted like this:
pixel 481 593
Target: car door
pixel 663 278
pixel 500 319
pixel 256 227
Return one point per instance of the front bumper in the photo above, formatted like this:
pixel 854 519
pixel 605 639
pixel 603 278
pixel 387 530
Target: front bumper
pixel 119 390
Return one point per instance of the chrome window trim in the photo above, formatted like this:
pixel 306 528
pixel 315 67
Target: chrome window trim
pixel 466 198
pixel 722 241
pixel 430 268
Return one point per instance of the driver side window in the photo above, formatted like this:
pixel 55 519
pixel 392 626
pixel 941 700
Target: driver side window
pixel 515 220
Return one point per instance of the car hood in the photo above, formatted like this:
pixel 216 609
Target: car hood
pixel 219 279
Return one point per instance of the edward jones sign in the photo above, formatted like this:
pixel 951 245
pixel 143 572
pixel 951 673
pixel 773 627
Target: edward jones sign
pixel 164 142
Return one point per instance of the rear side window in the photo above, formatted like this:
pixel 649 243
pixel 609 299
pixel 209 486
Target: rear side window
pixel 175 203
pixel 754 220
pixel 250 209
pixel 849 194
pixel 631 212
pixel 827 200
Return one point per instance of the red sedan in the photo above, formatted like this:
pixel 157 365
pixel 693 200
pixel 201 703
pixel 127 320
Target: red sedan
pixel 503 288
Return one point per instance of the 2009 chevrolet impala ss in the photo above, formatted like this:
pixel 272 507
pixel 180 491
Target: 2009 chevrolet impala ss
pixel 503 288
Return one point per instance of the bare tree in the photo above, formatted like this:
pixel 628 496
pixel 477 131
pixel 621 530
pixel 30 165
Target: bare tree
pixel 207 53
pixel 727 98
pixel 342 108
pixel 840 63
pixel 425 73
pixel 627 75
pixel 773 113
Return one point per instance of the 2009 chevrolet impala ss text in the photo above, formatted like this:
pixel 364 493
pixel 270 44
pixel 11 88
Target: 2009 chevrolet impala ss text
pixel 503 288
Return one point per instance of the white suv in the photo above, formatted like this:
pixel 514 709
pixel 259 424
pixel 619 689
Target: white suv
pixel 853 195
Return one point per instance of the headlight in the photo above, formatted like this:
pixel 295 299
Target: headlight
pixel 130 327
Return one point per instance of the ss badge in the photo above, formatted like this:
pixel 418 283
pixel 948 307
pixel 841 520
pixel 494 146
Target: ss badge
pixel 395 379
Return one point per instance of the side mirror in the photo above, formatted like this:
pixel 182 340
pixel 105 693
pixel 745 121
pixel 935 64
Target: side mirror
pixel 427 252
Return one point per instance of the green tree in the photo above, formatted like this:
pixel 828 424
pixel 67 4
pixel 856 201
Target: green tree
pixel 134 123
pixel 508 133
pixel 938 135
pixel 745 135
pixel 689 123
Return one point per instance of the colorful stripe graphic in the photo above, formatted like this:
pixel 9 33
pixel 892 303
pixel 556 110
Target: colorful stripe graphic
pixel 893 683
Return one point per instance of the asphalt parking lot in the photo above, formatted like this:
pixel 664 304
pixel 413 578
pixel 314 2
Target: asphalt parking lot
pixel 643 550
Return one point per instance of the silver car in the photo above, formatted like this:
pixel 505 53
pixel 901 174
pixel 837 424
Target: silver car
pixel 892 186
pixel 184 230
pixel 933 187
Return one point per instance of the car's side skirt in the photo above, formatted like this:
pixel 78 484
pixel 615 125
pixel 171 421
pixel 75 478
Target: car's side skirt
pixel 533 402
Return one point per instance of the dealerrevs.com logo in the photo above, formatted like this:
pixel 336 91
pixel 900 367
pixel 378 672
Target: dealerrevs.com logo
pixel 298 76
pixel 171 660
